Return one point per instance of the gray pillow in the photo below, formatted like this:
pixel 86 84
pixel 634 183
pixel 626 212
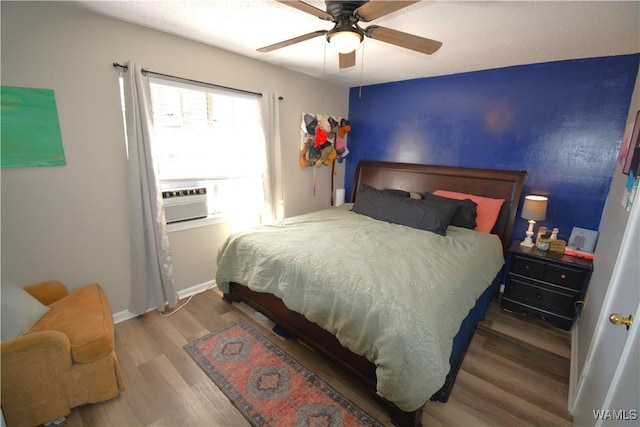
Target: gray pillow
pixel 20 311
pixel 466 210
pixel 400 209
pixel 399 193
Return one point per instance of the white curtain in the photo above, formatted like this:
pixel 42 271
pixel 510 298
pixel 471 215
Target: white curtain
pixel 272 173
pixel 153 283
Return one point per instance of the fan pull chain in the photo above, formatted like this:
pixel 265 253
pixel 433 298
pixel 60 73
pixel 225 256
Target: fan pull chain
pixel 322 104
pixel 361 68
pixel 324 75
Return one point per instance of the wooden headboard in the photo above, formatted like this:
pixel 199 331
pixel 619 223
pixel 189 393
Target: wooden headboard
pixel 497 184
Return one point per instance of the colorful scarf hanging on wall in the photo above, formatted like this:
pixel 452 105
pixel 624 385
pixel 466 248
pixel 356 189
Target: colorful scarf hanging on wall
pixel 323 140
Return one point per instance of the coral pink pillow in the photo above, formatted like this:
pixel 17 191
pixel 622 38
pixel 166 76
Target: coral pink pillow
pixel 488 209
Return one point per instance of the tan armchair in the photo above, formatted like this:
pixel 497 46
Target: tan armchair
pixel 66 359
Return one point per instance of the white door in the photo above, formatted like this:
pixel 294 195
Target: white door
pixel 609 386
pixel 625 395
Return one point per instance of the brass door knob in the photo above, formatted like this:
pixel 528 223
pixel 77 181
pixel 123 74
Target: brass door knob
pixel 617 319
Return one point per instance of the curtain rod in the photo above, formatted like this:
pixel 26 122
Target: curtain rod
pixel 125 68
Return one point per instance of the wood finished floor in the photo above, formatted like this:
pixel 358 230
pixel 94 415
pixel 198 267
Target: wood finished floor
pixel 516 372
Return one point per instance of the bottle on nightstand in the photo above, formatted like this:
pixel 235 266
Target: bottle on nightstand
pixel 542 231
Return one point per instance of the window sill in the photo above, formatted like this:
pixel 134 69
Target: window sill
pixel 197 223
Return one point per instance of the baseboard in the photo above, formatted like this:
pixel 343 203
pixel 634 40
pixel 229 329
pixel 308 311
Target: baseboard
pixel 573 370
pixel 121 316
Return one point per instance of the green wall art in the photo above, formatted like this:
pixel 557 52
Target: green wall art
pixel 30 131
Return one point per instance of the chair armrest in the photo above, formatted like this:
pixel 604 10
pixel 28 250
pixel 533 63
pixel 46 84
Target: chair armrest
pixel 38 355
pixel 35 369
pixel 48 292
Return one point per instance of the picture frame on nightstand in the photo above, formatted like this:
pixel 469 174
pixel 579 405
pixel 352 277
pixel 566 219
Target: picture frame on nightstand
pixel 583 240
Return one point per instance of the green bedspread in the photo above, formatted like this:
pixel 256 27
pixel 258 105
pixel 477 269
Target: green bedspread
pixel 391 293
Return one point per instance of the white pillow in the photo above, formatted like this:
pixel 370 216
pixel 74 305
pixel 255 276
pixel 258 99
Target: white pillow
pixel 19 310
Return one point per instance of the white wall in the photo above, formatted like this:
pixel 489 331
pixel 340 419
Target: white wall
pixel 70 222
pixel 612 228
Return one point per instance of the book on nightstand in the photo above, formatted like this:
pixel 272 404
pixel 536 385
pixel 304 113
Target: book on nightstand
pixel 579 254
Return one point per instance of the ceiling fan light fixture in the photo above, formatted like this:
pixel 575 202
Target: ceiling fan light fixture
pixel 344 41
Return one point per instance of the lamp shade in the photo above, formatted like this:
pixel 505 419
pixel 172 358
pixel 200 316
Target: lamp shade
pixel 534 208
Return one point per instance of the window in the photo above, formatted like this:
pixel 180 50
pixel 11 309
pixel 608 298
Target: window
pixel 209 137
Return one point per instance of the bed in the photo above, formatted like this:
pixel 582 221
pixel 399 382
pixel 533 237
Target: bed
pixel 402 366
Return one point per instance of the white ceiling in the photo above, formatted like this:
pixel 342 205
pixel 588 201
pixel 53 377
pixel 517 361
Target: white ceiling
pixel 476 35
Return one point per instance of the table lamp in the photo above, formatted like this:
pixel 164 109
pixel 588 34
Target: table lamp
pixel 534 209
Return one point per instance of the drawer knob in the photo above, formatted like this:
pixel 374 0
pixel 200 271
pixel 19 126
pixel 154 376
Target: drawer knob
pixel 538 296
pixel 563 276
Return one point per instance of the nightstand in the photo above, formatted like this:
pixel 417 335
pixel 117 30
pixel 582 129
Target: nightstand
pixel 546 284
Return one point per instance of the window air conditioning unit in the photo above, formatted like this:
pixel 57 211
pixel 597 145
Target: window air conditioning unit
pixel 183 204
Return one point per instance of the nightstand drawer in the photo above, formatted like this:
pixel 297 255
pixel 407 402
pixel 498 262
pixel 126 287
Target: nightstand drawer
pixel 558 320
pixel 528 267
pixel 549 299
pixel 564 276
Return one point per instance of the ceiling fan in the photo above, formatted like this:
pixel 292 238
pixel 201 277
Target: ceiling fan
pixel 347 34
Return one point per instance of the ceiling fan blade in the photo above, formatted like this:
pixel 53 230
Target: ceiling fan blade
pixel 305 7
pixel 406 40
pixel 347 60
pixel 376 9
pixel 292 41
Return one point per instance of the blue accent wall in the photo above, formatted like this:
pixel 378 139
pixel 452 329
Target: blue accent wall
pixel 562 122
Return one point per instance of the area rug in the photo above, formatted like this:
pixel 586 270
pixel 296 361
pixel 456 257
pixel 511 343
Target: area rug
pixel 267 385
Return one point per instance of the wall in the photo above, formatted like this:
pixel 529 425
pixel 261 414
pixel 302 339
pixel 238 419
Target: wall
pixel 614 223
pixel 562 122
pixel 70 222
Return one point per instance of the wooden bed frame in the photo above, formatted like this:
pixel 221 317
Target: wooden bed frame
pixel 491 183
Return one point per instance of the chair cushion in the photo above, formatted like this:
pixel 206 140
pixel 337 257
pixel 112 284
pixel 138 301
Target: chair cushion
pixel 84 316
pixel 20 311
